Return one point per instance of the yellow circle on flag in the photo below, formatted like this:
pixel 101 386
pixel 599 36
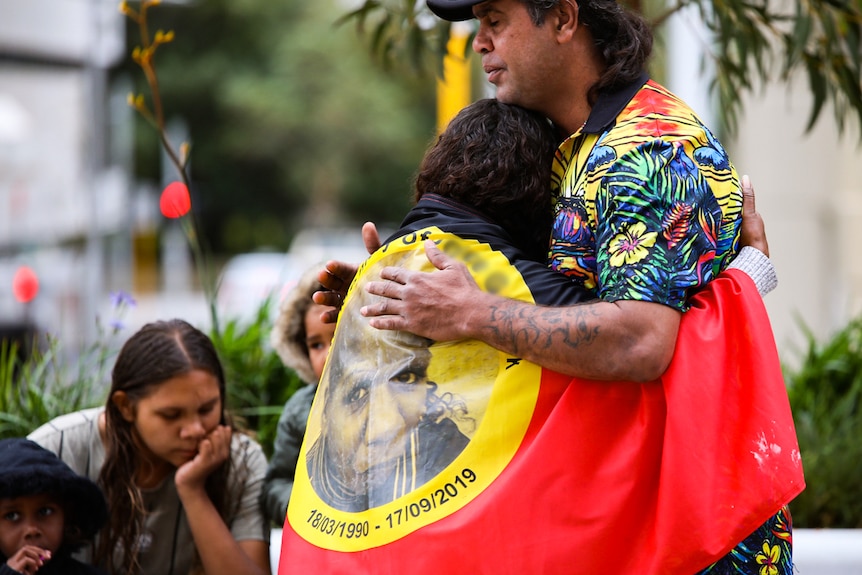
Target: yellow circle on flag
pixel 404 431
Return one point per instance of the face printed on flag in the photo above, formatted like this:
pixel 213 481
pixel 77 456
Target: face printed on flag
pixel 398 393
pixel 384 429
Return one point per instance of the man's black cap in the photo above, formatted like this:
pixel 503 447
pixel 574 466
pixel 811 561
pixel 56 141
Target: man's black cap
pixel 453 10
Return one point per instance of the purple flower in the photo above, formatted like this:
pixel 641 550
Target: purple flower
pixel 122 299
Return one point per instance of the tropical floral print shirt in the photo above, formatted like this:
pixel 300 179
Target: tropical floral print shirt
pixel 647 203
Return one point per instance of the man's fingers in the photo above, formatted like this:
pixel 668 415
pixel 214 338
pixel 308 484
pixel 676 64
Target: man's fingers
pixel 436 256
pixel 335 277
pixel 394 274
pixel 332 300
pixel 389 287
pixel 384 314
pixel 389 322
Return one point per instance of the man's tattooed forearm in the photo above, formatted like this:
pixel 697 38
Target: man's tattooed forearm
pixel 519 328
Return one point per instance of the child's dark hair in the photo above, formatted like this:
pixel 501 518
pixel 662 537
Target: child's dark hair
pixel 26 468
pixel 497 158
pixel 158 352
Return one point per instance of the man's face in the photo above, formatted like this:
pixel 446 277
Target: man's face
pixel 373 408
pixel 517 55
pixel 36 520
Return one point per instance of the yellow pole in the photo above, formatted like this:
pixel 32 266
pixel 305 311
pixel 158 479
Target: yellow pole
pixel 453 89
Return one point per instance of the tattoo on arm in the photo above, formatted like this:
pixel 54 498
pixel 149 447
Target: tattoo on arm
pixel 517 328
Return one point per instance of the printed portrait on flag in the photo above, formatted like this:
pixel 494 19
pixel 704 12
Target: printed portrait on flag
pixel 386 426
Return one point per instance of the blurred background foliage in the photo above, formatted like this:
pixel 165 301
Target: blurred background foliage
pixel 826 396
pixel 40 385
pixel 291 120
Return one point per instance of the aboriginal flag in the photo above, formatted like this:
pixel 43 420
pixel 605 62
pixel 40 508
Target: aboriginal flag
pixel 429 458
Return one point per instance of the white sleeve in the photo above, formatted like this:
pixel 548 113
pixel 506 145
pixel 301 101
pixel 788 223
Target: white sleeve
pixel 758 266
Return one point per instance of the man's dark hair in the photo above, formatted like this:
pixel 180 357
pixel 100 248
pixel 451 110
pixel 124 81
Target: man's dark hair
pixel 497 158
pixel 623 38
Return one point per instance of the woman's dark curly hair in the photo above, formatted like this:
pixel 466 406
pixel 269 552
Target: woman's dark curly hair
pixel 159 351
pixel 497 158
pixel 623 38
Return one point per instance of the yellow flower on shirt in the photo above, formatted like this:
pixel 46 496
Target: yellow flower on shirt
pixel 768 559
pixel 631 244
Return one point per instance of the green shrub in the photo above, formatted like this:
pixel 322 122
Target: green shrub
pixel 826 397
pixel 258 383
pixel 48 382
pixel 35 389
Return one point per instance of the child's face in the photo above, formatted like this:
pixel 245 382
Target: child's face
pixel 175 417
pixel 318 337
pixel 36 520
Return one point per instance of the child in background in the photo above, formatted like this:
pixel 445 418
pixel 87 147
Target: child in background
pixel 302 341
pixel 182 483
pixel 47 511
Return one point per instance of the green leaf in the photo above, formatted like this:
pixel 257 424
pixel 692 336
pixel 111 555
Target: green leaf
pixel 817 84
pixel 825 394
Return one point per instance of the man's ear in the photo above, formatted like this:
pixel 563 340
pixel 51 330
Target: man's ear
pixel 124 405
pixel 566 17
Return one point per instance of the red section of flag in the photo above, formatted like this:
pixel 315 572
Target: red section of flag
pixel 175 201
pixel 25 284
pixel 617 478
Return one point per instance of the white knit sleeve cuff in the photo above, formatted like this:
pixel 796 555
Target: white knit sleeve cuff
pixel 758 266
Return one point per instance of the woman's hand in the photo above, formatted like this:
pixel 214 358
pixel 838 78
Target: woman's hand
pixel 753 230
pixel 213 450
pixel 220 553
pixel 337 276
